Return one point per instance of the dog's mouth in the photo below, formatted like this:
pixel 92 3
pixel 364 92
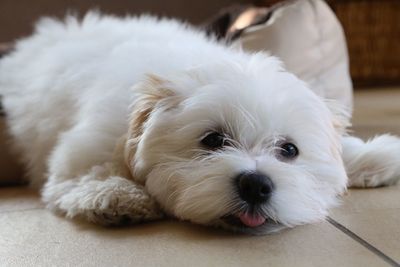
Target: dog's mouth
pixel 245 220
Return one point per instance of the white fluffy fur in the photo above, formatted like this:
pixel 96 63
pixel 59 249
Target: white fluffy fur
pixel 372 163
pixel 68 96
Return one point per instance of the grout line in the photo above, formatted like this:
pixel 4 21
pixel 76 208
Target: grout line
pixel 364 243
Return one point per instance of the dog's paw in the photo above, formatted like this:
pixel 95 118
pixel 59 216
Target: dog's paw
pixel 111 201
pixel 124 209
pixel 120 204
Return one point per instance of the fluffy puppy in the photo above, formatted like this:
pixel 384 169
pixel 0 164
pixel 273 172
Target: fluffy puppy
pixel 216 136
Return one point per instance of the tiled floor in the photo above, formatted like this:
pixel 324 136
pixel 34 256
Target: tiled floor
pixel 364 231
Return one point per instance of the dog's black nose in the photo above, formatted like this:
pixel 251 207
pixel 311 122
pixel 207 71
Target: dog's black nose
pixel 254 188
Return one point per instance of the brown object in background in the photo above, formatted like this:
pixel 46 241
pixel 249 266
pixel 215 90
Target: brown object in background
pixel 17 17
pixel 372 28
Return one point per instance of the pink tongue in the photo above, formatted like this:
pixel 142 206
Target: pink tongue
pixel 250 220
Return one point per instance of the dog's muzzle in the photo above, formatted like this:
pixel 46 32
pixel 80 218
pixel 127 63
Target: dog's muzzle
pixel 255 189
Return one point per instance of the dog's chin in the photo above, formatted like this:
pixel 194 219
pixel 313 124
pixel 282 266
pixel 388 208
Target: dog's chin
pixel 256 225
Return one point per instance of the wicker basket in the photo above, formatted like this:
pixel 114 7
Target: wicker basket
pixel 372 28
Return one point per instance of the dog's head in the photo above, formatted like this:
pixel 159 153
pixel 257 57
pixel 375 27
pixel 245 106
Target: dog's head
pixel 240 144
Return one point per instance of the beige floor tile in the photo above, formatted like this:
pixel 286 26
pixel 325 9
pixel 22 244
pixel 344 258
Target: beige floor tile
pixel 18 198
pixel 380 228
pixel 374 215
pixel 38 238
pixel 363 200
pixel 376 111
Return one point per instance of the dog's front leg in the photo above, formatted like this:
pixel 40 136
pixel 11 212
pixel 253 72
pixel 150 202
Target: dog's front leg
pixel 100 198
pixel 100 193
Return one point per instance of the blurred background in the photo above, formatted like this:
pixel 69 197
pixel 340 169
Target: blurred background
pixel 372 27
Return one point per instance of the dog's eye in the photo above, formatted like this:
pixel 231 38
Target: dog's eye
pixel 213 140
pixel 288 151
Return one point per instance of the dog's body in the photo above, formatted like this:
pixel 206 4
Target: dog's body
pixel 198 124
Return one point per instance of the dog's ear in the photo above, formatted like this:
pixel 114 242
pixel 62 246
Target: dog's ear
pixel 152 93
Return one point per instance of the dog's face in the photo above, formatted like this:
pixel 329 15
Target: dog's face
pixel 245 146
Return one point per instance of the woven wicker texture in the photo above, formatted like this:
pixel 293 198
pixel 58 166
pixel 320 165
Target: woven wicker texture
pixel 373 34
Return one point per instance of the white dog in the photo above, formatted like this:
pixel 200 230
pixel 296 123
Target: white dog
pixel 216 136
